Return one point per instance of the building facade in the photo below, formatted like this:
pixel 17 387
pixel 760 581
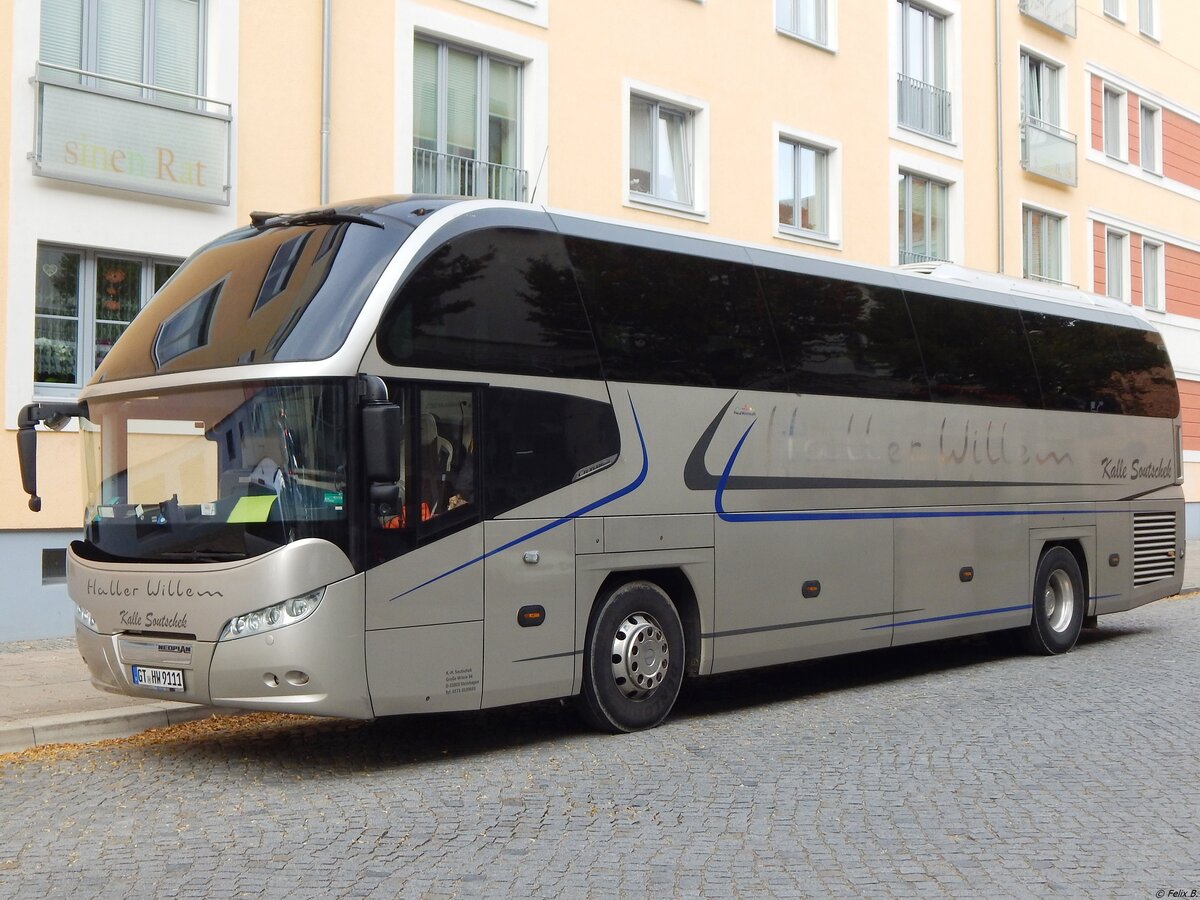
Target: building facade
pixel 1057 140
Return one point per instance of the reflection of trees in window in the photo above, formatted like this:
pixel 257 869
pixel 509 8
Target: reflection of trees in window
pixel 1079 363
pixel 844 337
pixel 1148 381
pixel 500 300
pixel 673 319
pixel 974 353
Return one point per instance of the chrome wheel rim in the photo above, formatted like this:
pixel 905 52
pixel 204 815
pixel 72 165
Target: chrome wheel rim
pixel 640 656
pixel 1059 601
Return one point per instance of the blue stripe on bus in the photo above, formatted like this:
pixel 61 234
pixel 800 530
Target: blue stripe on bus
pixel 965 615
pixel 719 506
pixel 569 517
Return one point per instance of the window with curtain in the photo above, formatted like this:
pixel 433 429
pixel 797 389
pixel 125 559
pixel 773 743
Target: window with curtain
pixel 923 44
pixel 1113 8
pixel 466 122
pixel 1152 276
pixel 152 42
pixel 1114 116
pixel 1042 245
pixel 1116 255
pixel 924 219
pixel 660 151
pixel 1147 20
pixel 805 19
pixel 803 185
pixel 1151 138
pixel 83 301
pixel 1039 90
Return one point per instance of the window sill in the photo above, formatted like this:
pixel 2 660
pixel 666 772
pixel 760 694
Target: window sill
pixel 799 38
pixel 812 238
pixel 653 204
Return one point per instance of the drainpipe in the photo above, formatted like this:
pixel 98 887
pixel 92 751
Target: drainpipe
pixel 999 148
pixel 325 78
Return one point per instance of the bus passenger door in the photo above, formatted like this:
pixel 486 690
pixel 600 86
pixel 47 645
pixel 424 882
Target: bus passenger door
pixel 424 581
pixel 529 610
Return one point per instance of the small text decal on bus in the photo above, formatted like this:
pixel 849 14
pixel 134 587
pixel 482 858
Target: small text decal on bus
pixel 1119 470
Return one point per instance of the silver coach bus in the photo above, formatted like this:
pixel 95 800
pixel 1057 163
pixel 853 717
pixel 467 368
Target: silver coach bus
pixel 419 454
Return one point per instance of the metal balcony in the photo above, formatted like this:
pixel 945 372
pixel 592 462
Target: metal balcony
pixel 129 136
pixel 1048 151
pixel 1057 14
pixel 913 258
pixel 445 173
pixel 923 107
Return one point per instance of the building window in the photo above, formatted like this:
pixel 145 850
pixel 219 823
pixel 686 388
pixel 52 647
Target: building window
pixel 84 300
pixel 466 123
pixel 803 187
pixel 1116 264
pixel 1152 276
pixel 805 19
pixel 923 102
pixel 1115 126
pixel 153 42
pixel 661 151
pixel 1112 8
pixel 1151 138
pixel 1148 18
pixel 924 219
pixel 1042 246
pixel 1039 90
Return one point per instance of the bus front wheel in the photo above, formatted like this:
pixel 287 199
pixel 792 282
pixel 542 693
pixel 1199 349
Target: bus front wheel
pixel 634 659
pixel 1058 604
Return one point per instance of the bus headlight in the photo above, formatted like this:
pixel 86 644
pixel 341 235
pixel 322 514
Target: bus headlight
pixel 85 618
pixel 260 621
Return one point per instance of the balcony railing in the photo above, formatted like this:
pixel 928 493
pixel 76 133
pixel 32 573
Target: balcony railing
pixel 1048 150
pixel 130 136
pixel 912 257
pixel 923 107
pixel 445 173
pixel 1058 14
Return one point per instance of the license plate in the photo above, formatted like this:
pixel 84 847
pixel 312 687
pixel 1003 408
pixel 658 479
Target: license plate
pixel 158 679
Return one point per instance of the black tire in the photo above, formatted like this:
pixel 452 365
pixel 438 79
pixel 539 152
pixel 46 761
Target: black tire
pixel 1059 604
pixel 633 660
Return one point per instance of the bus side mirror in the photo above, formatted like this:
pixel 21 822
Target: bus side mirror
pixel 55 415
pixel 382 430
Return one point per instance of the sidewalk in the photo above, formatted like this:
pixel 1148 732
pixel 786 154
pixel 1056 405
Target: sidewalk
pixel 46 696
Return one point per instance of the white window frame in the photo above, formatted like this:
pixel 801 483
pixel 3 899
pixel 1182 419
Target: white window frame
pixel 830 11
pixel 85 336
pixel 1113 9
pixel 832 237
pixel 535 12
pixel 1155 301
pixel 1064 242
pixel 1060 87
pixel 90 37
pixel 1121 238
pixel 698 112
pixel 1155 113
pixel 414 20
pixel 905 176
pixel 1122 125
pixel 951 11
pixel 1148 8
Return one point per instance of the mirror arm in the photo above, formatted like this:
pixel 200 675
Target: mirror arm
pixel 54 415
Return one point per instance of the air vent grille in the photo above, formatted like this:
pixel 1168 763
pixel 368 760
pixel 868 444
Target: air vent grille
pixel 1153 547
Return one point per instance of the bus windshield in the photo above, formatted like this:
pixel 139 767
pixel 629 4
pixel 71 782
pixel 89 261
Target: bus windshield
pixel 215 473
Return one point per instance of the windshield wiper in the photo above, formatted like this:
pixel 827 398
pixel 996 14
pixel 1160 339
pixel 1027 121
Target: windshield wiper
pixel 264 220
pixel 204 555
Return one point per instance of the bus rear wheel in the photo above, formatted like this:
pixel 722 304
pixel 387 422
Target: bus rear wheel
pixel 633 660
pixel 1059 604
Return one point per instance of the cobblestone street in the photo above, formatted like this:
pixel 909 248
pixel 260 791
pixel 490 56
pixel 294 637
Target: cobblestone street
pixel 937 770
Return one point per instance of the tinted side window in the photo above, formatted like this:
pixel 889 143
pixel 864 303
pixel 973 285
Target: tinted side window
pixel 497 300
pixel 974 353
pixel 844 338
pixel 1150 388
pixel 536 442
pixel 671 318
pixel 1079 363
